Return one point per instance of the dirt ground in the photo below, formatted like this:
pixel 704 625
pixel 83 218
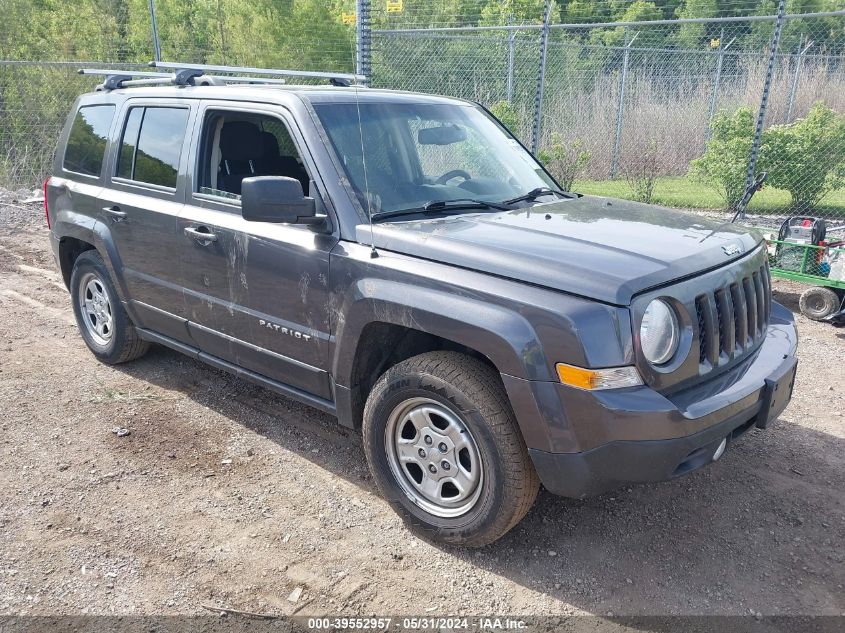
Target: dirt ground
pixel 229 496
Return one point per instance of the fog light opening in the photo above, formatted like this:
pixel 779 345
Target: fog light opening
pixel 720 450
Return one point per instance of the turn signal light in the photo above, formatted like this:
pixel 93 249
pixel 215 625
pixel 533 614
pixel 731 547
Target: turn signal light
pixel 590 379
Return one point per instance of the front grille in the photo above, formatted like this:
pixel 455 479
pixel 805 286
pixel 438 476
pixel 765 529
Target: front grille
pixel 733 319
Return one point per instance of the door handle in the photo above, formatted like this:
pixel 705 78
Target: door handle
pixel 116 214
pixel 200 236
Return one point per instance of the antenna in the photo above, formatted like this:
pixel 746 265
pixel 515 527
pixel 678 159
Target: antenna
pixel 373 252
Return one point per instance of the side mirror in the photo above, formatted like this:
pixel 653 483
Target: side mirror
pixel 276 199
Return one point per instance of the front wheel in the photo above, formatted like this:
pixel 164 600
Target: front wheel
pixel 445 451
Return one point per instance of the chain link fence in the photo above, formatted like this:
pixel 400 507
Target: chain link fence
pixel 44 44
pixel 660 111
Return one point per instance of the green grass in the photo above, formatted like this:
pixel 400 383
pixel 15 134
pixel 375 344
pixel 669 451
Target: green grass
pixel 685 193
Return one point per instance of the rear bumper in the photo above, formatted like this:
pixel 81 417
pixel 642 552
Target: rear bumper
pixel 597 441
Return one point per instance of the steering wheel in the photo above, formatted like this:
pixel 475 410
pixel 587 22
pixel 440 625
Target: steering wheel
pixel 455 173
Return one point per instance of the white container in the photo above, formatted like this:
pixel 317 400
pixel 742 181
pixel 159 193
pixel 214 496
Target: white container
pixel 837 264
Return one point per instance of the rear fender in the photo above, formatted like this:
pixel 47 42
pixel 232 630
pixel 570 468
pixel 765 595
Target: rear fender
pixel 71 224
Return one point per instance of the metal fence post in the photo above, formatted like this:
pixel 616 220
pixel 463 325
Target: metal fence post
pixel 794 87
pixel 156 45
pixel 764 101
pixel 541 77
pixel 363 40
pixel 717 79
pixel 621 107
pixel 511 40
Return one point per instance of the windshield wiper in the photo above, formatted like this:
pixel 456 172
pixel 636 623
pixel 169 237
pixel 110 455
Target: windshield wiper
pixel 536 193
pixel 444 205
pixel 464 203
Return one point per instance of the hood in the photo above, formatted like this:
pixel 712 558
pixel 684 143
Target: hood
pixel 605 249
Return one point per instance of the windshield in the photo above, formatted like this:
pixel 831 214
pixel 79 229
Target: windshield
pixel 422 153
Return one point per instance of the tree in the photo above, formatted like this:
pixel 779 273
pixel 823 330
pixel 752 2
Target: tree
pixel 638 11
pixel 513 12
pixel 692 35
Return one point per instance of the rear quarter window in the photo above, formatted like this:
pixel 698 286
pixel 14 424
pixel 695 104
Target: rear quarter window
pixel 86 143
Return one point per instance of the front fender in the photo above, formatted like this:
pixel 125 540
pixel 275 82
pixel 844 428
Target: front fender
pixel 503 336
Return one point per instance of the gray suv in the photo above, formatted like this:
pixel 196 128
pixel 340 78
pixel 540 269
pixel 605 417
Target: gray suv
pixel 402 262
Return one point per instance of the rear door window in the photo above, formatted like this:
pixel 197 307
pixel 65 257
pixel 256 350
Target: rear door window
pixel 151 145
pixel 86 143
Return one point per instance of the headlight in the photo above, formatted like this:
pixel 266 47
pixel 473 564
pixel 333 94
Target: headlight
pixel 659 332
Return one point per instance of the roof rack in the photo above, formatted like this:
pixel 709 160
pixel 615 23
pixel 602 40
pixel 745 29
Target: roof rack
pixel 340 78
pixel 195 75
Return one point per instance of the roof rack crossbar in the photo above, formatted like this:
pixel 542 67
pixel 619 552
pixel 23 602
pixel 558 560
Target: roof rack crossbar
pixel 127 73
pixel 128 78
pixel 258 71
pixel 115 79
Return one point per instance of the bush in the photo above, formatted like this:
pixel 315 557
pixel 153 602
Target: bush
pixel 807 157
pixel 565 161
pixel 507 114
pixel 724 165
pixel 641 170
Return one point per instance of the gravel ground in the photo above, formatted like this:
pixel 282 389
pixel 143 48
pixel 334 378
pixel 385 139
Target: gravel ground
pixel 227 495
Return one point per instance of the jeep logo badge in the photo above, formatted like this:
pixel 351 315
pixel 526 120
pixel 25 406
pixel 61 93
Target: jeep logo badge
pixel 732 249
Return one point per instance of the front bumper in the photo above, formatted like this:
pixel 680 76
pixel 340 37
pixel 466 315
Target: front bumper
pixel 596 441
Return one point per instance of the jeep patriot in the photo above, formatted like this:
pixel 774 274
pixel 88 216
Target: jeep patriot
pixel 403 263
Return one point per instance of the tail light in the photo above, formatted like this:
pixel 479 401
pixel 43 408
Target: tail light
pixel 46 208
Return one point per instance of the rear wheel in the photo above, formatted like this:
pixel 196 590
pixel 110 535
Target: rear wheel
pixel 103 323
pixel 818 302
pixel 445 451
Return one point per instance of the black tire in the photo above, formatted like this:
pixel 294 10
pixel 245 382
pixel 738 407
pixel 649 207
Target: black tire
pixel 818 303
pixel 473 392
pixel 122 343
